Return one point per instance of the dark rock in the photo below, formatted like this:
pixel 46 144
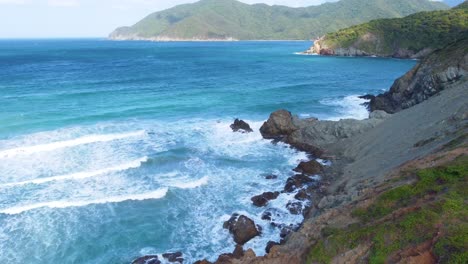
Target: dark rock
pixel 271 244
pixel 262 200
pixel 295 208
pixel 242 228
pixel 241 126
pixel 174 257
pixel 297 182
pixel 311 167
pixel 271 177
pixel 151 259
pixel 202 262
pixel 279 124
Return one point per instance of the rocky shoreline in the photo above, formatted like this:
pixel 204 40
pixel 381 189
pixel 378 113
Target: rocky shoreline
pixel 429 125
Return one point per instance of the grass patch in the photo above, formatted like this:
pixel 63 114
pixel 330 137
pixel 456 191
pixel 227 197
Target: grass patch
pixel 445 213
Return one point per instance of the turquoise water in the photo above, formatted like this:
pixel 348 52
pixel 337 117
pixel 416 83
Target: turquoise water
pixel 113 150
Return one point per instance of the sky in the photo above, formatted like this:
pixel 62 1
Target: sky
pixel 88 18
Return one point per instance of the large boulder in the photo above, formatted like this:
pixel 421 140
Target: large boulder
pixel 279 125
pixel 241 126
pixel 262 199
pixel 242 228
pixel 311 167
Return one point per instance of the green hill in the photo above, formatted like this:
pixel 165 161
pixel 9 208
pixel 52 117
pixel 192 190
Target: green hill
pixel 230 19
pixel 413 36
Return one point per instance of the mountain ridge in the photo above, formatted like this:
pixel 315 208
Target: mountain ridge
pixel 233 20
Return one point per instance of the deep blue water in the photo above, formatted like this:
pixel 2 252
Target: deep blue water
pixel 112 150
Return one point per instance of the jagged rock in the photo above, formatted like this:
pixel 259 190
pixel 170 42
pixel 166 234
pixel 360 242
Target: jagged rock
pixel 242 228
pixel 280 124
pixel 311 167
pixel 150 259
pixel 262 200
pixel 174 257
pixel 438 71
pixel 241 126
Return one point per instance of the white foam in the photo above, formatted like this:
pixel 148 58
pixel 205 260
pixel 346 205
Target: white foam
pixel 160 193
pixel 349 107
pixel 82 175
pixel 191 185
pixel 68 143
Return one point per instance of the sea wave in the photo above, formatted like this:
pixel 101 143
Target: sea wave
pixel 349 107
pixel 157 194
pixel 68 143
pixel 191 185
pixel 81 175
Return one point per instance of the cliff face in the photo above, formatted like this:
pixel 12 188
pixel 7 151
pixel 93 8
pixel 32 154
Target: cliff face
pixel 440 70
pixel 414 36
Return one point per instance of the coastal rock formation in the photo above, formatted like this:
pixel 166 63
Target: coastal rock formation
pixel 439 71
pixel 174 257
pixel 241 126
pixel 280 124
pixel 311 167
pixel 242 228
pixel 312 135
pixel 151 259
pixel 263 199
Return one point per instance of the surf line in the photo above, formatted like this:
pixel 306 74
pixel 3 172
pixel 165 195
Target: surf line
pixel 81 175
pixel 157 194
pixel 68 143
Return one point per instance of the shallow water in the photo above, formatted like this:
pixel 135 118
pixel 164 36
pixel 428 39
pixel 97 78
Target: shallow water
pixel 112 150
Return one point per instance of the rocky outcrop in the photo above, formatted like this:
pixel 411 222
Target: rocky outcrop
pixel 242 228
pixel 263 199
pixel 312 135
pixel 439 71
pixel 174 257
pixel 241 126
pixel 311 167
pixel 151 259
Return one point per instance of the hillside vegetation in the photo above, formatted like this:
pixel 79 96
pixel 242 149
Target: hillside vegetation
pixel 230 19
pixel 399 37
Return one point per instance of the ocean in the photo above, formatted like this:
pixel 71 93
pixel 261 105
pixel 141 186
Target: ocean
pixel 113 150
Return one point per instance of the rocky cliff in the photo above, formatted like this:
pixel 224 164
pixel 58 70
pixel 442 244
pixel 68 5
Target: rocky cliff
pixel 441 69
pixel 414 36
